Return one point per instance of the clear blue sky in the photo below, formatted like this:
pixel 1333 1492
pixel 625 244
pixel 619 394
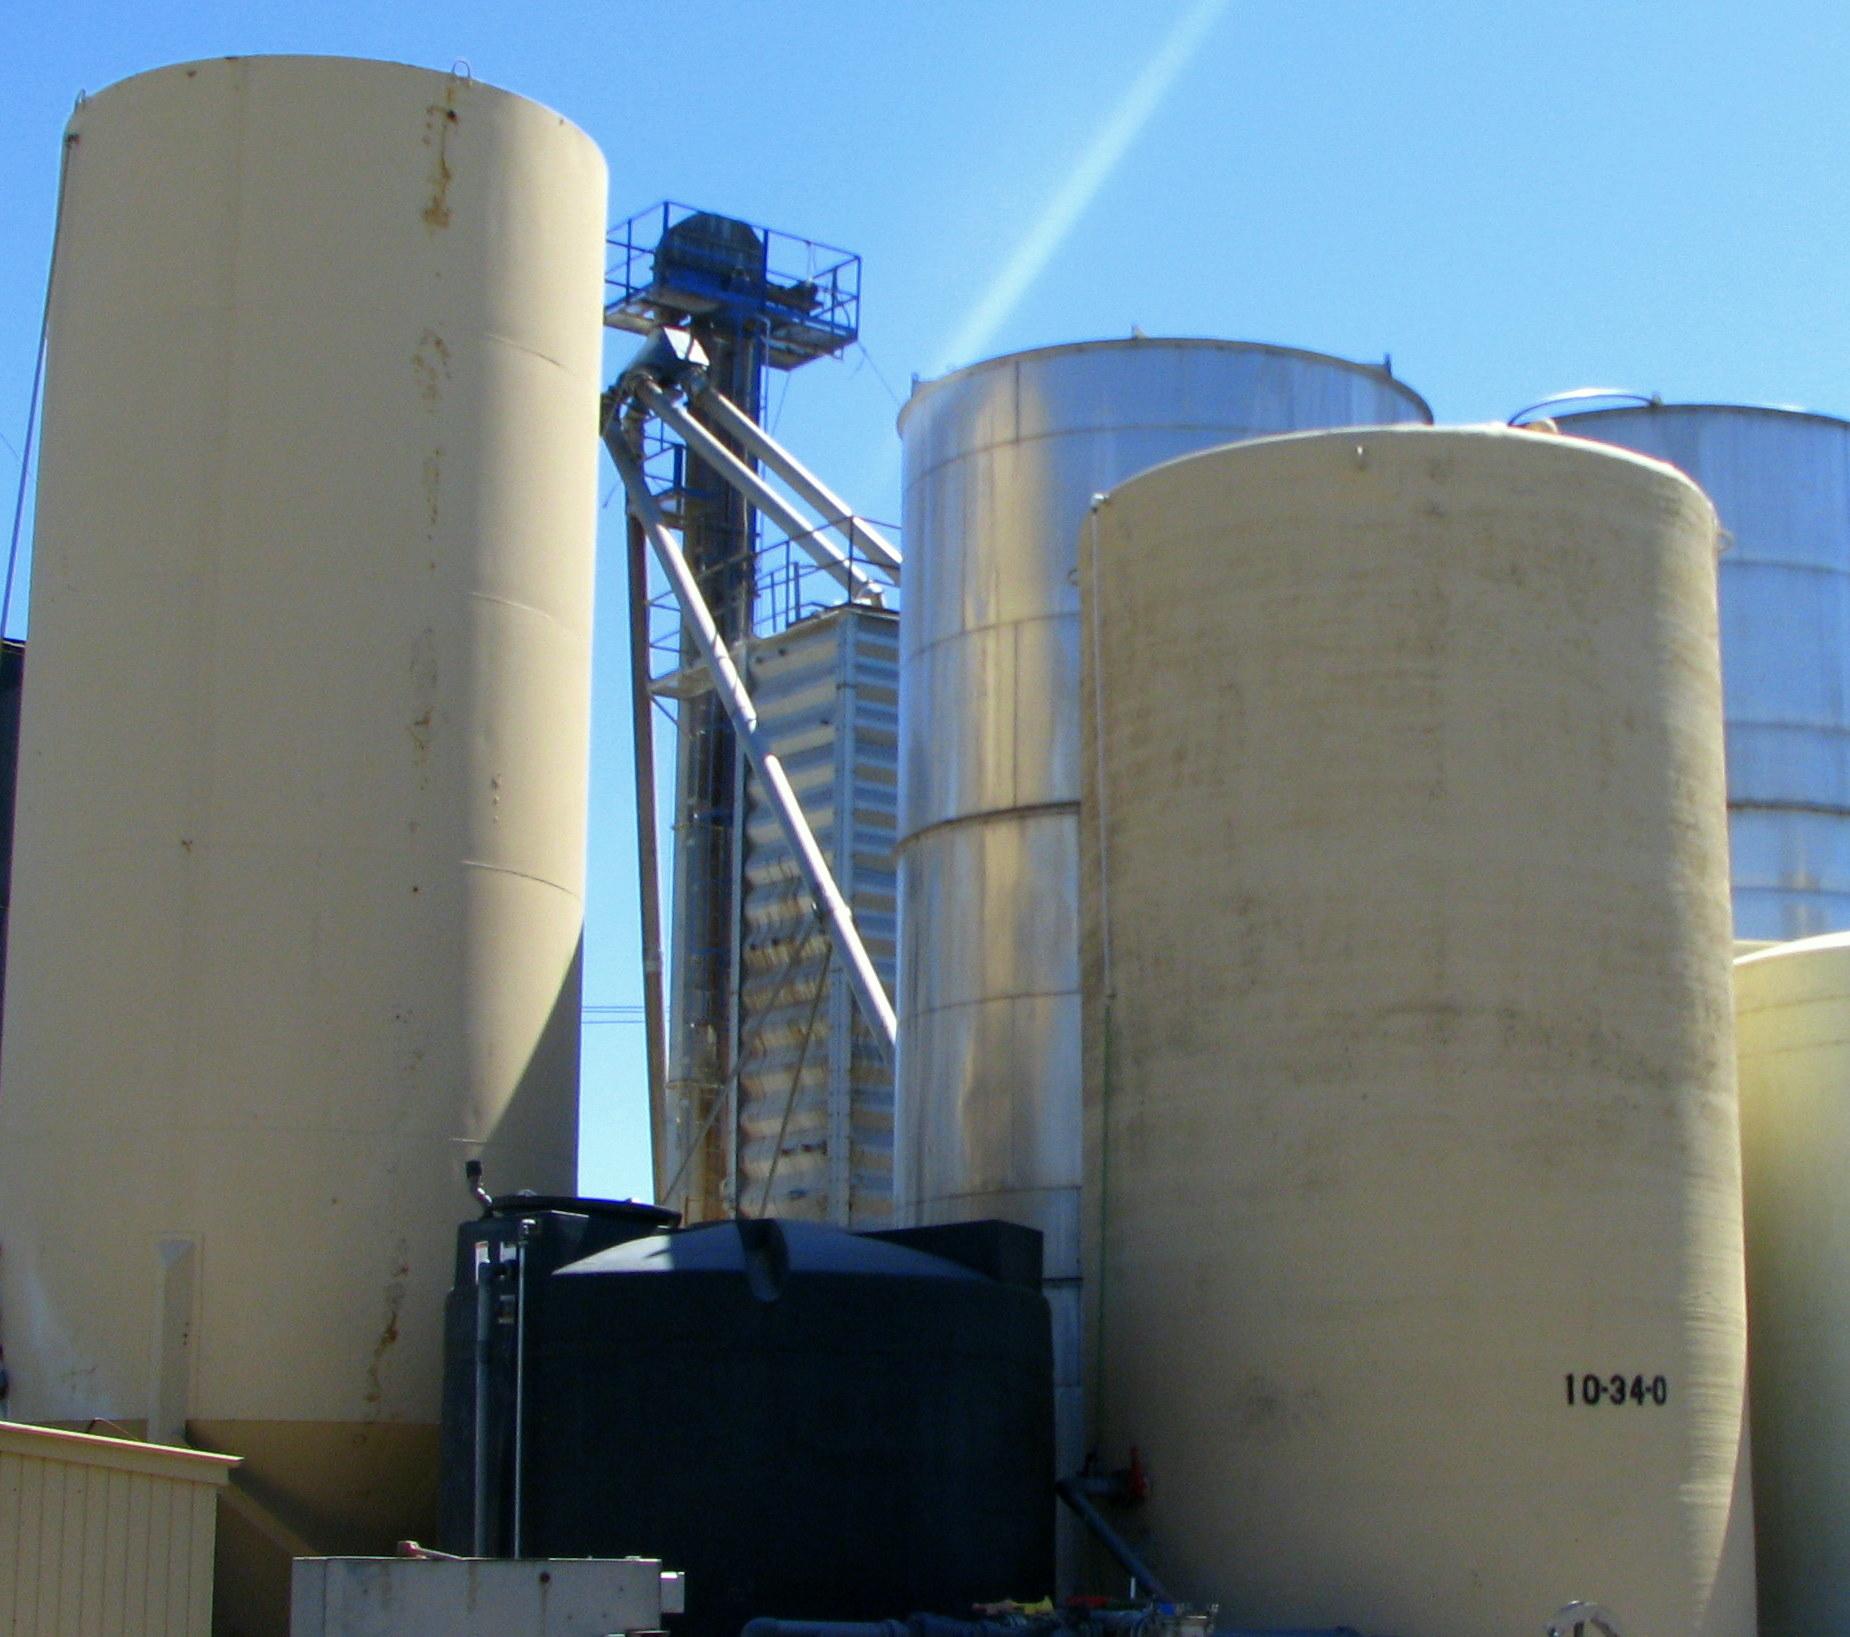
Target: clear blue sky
pixel 1510 198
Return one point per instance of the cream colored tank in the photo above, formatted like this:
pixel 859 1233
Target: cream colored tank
pixel 1411 1104
pixel 299 873
pixel 1792 1013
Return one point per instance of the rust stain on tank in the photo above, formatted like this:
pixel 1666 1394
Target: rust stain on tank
pixel 430 366
pixel 438 119
pixel 433 484
pixel 423 673
pixel 388 1336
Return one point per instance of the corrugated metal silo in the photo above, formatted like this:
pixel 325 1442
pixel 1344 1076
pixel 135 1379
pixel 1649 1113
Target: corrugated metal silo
pixel 300 852
pixel 1780 480
pixel 1001 461
pixel 1409 1039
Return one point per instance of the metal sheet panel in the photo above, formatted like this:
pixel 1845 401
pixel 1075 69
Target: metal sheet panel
pixel 1781 481
pixel 493 1597
pixel 827 692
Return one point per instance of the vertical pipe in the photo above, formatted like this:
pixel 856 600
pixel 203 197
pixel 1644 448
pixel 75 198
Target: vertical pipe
pixel 484 1331
pixel 731 1195
pixel 522 1234
pixel 717 536
pixel 839 1054
pixel 648 860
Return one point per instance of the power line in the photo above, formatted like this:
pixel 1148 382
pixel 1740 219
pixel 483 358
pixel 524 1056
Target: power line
pixel 38 375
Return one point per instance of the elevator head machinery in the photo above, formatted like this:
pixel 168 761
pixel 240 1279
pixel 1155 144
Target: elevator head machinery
pixel 1001 461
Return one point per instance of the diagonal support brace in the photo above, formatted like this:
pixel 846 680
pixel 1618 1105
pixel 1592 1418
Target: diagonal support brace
pixel 802 532
pixel 863 979
pixel 864 540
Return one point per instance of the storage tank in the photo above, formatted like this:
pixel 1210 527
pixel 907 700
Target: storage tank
pixel 1780 479
pixel 1000 462
pixel 298 880
pixel 1409 1040
pixel 1792 1011
pixel 807 1422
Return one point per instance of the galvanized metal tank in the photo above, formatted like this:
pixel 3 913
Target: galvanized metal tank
pixel 298 878
pixel 1781 481
pixel 1410 1046
pixel 1792 1014
pixel 1001 461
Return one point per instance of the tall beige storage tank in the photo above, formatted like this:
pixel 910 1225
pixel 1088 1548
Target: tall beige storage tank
pixel 1792 1011
pixel 1001 461
pixel 1410 1067
pixel 300 861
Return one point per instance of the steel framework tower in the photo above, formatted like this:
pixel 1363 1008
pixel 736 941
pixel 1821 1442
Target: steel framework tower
pixel 748 300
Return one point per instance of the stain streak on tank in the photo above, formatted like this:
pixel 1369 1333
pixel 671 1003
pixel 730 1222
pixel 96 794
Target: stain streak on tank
pixel 433 485
pixel 388 1335
pixel 430 364
pixel 439 117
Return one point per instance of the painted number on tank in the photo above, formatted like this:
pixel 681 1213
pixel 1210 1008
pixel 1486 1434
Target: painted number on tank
pixel 1617 1389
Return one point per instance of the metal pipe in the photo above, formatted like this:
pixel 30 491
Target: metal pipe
pixel 648 860
pixel 862 537
pixel 1121 1551
pixel 801 530
pixel 717 537
pixel 484 1333
pixel 521 1234
pixel 764 1626
pixel 862 978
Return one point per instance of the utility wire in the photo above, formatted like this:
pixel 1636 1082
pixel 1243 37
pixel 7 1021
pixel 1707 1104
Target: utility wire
pixel 879 374
pixel 38 376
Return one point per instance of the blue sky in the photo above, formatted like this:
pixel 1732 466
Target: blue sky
pixel 1511 199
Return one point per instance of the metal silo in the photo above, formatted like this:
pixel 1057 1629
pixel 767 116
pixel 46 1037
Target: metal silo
pixel 1001 460
pixel 1792 1013
pixel 298 878
pixel 1780 480
pixel 1409 1037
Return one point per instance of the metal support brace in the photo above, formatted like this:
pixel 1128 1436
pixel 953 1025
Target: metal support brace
pixel 862 978
pixel 864 540
pixel 802 532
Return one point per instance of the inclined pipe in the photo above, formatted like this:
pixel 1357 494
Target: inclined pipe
pixel 862 978
pixel 862 536
pixel 1073 1493
pixel 801 530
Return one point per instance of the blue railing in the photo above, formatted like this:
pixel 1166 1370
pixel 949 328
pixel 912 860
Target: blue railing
pixel 671 263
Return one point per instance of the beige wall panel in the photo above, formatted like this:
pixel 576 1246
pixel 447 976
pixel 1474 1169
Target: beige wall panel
pixel 105 1538
pixel 1410 1053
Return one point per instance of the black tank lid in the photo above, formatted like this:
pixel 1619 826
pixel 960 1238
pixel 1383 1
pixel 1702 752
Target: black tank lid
pixel 756 1245
pixel 621 1210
